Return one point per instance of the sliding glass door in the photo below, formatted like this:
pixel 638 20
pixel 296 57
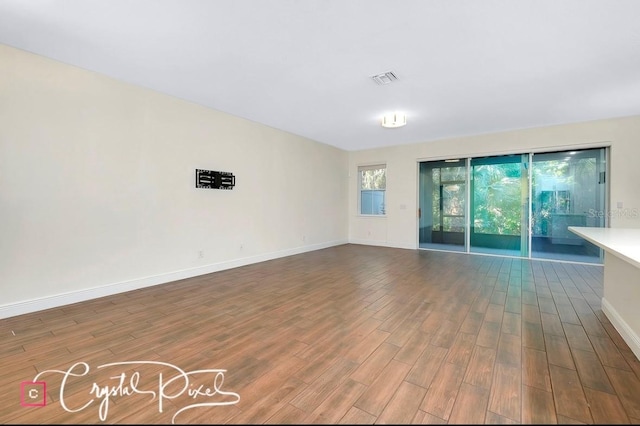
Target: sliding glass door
pixel 568 189
pixel 499 205
pixel 442 205
pixel 515 205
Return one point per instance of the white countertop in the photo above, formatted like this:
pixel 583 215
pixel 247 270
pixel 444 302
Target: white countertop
pixel 621 242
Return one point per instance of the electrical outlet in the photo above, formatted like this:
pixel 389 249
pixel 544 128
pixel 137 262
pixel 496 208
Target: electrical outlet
pixel 201 254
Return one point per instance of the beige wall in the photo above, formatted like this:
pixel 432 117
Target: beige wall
pixel 399 227
pixel 97 187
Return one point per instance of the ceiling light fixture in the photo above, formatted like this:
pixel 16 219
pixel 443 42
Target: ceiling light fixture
pixel 394 119
pixel 384 78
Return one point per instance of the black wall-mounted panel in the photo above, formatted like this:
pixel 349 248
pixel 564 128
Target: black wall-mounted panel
pixel 214 180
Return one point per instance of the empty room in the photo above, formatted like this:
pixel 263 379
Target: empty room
pixel 319 212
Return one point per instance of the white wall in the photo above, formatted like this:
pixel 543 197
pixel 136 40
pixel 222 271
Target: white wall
pixel 97 187
pixel 399 227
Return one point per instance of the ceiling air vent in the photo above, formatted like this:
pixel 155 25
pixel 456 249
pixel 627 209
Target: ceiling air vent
pixel 384 78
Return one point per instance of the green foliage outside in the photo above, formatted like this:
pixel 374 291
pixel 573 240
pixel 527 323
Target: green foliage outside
pixel 497 203
pixel 499 193
pixel 373 179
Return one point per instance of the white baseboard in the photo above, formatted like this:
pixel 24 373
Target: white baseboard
pixel 55 301
pixel 627 333
pixel 381 244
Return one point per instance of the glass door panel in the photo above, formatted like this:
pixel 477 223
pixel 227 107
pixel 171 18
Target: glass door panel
pixel 568 189
pixel 499 205
pixel 442 190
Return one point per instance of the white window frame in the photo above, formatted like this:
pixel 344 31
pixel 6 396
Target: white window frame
pixel 379 166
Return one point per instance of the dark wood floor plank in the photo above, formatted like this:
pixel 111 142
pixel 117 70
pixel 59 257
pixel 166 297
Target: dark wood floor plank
pixel 606 408
pixel 591 324
pixel 592 374
pixel 403 406
pixel 288 414
pixel 264 404
pixel 498 298
pixel 535 369
pixel 551 324
pixel 537 406
pixel 533 335
pixel 494 313
pixel 577 338
pixel 365 347
pixel 480 368
pixel 443 391
pixel 403 333
pixel 424 418
pixel 529 298
pixel 337 404
pixel 565 310
pixel 472 322
pixel 489 334
pixel 512 323
pixel 569 395
pixel 469 396
pixel 496 419
pixel 356 416
pixel 426 367
pixel 558 351
pixel 546 304
pixel 335 374
pixel 531 313
pixel 510 350
pixel 446 334
pixel 513 304
pixel 378 394
pixel 506 391
pixel 627 389
pixel 608 353
pixel 415 346
pixel 367 371
pixel 461 350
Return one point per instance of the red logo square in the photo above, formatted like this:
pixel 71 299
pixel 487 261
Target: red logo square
pixel 33 394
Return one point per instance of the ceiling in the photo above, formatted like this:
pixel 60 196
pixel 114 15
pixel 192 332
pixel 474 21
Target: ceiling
pixel 464 67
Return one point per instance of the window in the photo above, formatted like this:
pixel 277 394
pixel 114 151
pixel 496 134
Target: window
pixel 372 185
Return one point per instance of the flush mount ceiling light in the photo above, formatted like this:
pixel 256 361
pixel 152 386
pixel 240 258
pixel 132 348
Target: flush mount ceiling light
pixel 394 119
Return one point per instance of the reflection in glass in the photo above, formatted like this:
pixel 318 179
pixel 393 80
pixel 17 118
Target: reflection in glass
pixel 442 205
pixel 567 187
pixel 499 205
